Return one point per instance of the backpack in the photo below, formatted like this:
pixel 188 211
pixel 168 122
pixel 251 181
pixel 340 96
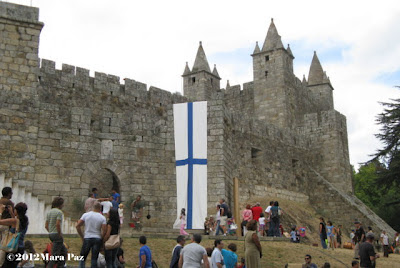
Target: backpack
pixel 274 214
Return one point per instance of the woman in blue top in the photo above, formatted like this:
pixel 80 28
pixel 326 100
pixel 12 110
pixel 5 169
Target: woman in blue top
pixel 18 217
pixel 230 257
pixel 330 233
pixel 144 254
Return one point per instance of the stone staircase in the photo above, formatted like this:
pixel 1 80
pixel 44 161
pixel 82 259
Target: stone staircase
pixel 37 208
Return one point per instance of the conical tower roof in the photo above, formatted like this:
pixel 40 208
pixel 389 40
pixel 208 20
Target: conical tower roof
pixel 289 51
pixel 215 72
pixel 201 63
pixel 273 39
pixel 227 84
pixel 316 74
pixel 256 49
pixel 187 69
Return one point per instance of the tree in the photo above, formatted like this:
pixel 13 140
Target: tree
pixel 389 156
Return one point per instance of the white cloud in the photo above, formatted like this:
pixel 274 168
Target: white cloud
pixel 150 41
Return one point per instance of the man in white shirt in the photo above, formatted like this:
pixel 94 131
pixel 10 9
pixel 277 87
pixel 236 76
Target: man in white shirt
pixel 107 205
pixel 95 229
pixel 267 212
pixel 192 254
pixel 217 260
pixel 385 242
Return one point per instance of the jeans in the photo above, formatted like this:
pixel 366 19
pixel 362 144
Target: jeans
pixel 218 228
pixel 94 244
pixel 323 242
pixel 57 250
pixel 111 256
pixel 275 228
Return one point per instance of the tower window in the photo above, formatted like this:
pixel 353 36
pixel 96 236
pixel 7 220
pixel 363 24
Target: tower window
pixel 267 58
pixel 266 73
pixel 193 80
pixel 211 80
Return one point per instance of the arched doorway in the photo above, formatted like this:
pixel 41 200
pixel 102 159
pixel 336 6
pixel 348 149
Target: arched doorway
pixel 104 180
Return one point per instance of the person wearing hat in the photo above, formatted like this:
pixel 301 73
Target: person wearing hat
pixel 367 252
pixel 358 238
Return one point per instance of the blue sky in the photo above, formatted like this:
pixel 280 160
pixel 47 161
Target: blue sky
pixel 150 41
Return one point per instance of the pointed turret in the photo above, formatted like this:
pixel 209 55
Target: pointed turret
pixel 227 84
pixel 273 39
pixel 187 69
pixel 289 51
pixel 215 72
pixel 201 63
pixel 316 74
pixel 256 49
pixel 326 78
pixel 304 82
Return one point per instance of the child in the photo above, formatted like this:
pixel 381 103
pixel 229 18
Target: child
pixel 330 234
pixel 242 263
pixel 293 235
pixel 28 250
pixel 121 213
pixel 206 228
pixel 211 224
pixel 262 222
pixel 183 222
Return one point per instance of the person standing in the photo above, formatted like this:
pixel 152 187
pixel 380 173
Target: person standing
pixel 183 222
pixel 267 213
pixel 95 229
pixel 144 254
pixel 322 232
pixel 275 215
pixel 116 196
pixel 252 246
pixel 367 252
pixel 218 220
pixel 6 201
pixel 330 234
pixel 107 205
pixel 224 215
pixel 230 257
pixel 113 225
pixel 18 223
pixel 53 225
pixel 217 260
pixel 89 203
pixel 94 192
pixel 176 252
pixel 193 254
pixel 247 215
pixel 359 237
pixel 339 236
pixel 385 242
pixel 137 208
pixel 256 210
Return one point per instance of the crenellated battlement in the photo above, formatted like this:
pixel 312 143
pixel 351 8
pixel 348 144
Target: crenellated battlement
pixel 79 79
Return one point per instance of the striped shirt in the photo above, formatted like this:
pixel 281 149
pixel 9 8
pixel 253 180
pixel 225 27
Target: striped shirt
pixel 52 216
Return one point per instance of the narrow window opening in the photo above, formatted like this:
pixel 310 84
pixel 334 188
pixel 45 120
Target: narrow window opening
pixel 255 152
pixel 111 93
pixel 135 98
pixel 160 104
pixel 193 80
pixel 266 73
pixel 79 132
pixel 73 85
pixel 267 58
pixel 294 162
pixel 109 122
pixel 40 78
pixel 211 80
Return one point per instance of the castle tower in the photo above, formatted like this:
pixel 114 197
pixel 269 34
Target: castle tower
pixel 19 61
pixel 320 85
pixel 199 82
pixel 273 71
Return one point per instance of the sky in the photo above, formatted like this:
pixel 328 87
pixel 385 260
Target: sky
pixel 357 42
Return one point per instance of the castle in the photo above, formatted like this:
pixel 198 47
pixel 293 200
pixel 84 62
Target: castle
pixel 63 132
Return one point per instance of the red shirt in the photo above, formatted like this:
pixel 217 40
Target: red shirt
pixel 256 212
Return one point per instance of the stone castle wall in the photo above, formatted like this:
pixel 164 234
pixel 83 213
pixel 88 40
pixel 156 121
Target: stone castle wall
pixel 63 132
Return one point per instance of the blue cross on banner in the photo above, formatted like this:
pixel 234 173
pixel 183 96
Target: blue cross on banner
pixel 190 128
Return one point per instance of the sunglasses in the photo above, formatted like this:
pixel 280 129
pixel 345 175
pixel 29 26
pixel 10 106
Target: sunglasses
pixel 306 258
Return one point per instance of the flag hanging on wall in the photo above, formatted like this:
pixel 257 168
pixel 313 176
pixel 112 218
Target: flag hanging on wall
pixel 190 129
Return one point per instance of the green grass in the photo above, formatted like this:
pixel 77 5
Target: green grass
pixel 275 254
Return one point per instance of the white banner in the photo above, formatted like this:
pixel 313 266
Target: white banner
pixel 190 128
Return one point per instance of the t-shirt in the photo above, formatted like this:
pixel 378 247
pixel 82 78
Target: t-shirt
pixel 256 212
pixel 138 205
pixel 117 196
pixel 145 250
pixel 366 250
pixel 385 239
pixel 329 230
pixel 52 216
pixel 226 209
pixel 30 263
pixel 323 229
pixel 115 204
pixel 107 205
pixel 293 235
pixel 176 253
pixel 275 213
pixel 261 221
pixel 192 255
pixel 358 235
pixel 247 215
pixel 311 265
pixel 216 257
pixel 93 222
pixel 268 209
pixel 230 258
